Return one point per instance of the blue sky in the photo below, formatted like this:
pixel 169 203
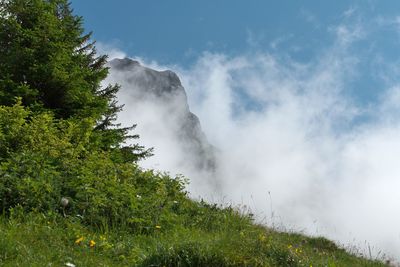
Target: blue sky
pixel 178 31
pixel 309 91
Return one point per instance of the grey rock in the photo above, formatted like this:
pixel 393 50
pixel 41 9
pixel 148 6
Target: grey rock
pixel 165 88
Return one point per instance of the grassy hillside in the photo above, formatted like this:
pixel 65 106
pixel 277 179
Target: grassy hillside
pixel 71 190
pixel 210 237
pixel 118 214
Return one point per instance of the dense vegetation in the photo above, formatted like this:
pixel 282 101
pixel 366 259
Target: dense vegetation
pixel 71 191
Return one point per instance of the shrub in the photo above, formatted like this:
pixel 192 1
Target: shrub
pixel 43 160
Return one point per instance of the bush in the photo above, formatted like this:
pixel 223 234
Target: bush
pixel 43 160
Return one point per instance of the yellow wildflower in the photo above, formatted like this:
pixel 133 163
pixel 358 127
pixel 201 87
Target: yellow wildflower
pixel 262 238
pixel 79 240
pixel 92 243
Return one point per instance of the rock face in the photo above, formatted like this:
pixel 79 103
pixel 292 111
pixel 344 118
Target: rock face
pixel 157 102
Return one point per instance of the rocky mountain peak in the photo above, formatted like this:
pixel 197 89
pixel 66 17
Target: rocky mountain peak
pixel 157 102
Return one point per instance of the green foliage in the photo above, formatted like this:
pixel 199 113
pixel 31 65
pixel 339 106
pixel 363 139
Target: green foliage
pixel 47 239
pixel 48 61
pixel 43 159
pixel 71 192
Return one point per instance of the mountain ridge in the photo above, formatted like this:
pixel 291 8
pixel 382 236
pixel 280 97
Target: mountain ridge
pixel 164 90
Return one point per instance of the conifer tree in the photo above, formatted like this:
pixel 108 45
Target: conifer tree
pixel 51 64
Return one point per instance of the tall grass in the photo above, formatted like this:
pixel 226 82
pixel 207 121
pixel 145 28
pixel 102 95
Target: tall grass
pixel 219 237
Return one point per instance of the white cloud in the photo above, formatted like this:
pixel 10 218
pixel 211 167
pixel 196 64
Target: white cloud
pixel 349 12
pixel 280 40
pixel 288 129
pixel 110 49
pixel 347 35
pixel 389 23
pixel 299 145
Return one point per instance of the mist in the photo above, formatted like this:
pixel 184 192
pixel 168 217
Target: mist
pixel 293 144
pixel 304 156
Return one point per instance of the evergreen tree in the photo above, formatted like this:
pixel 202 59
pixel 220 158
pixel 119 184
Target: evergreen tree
pixel 51 64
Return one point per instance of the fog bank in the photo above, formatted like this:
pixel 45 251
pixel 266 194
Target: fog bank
pixel 293 144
